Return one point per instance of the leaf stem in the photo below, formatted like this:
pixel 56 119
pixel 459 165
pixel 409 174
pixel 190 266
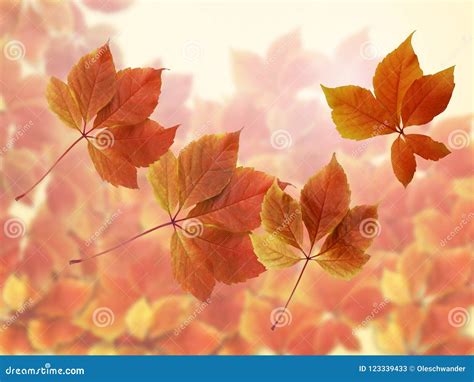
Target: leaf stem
pixel 51 168
pixel 277 321
pixel 77 261
pixel 176 215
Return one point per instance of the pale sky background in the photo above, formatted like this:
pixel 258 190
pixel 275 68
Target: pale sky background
pixel 197 37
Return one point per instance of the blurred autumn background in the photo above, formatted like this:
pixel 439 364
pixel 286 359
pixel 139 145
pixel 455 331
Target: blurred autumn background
pixel 257 65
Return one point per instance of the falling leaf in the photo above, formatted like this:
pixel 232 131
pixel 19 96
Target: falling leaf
pixel 237 207
pixel 62 103
pixel 121 137
pixel 93 81
pixel 427 97
pixel 211 241
pixel 325 210
pixel 394 76
pixel 403 97
pixel 273 252
pixel 425 147
pixel 281 207
pixel 137 95
pixel 325 200
pixel 163 176
pixel 205 167
pixel 403 161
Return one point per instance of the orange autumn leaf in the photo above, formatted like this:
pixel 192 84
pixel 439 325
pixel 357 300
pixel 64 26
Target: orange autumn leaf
pixel 93 81
pixel 324 204
pixel 205 167
pixel 191 268
pixel 425 147
pixel 282 206
pixel 216 255
pixel 403 161
pixel 137 95
pixel 357 114
pixel 394 76
pixel 118 152
pixel 403 97
pixel 112 168
pixel 325 200
pixel 213 206
pixel 122 137
pixel 63 104
pixel 343 251
pixel 163 177
pixel 142 143
pixel 239 203
pixel 427 97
